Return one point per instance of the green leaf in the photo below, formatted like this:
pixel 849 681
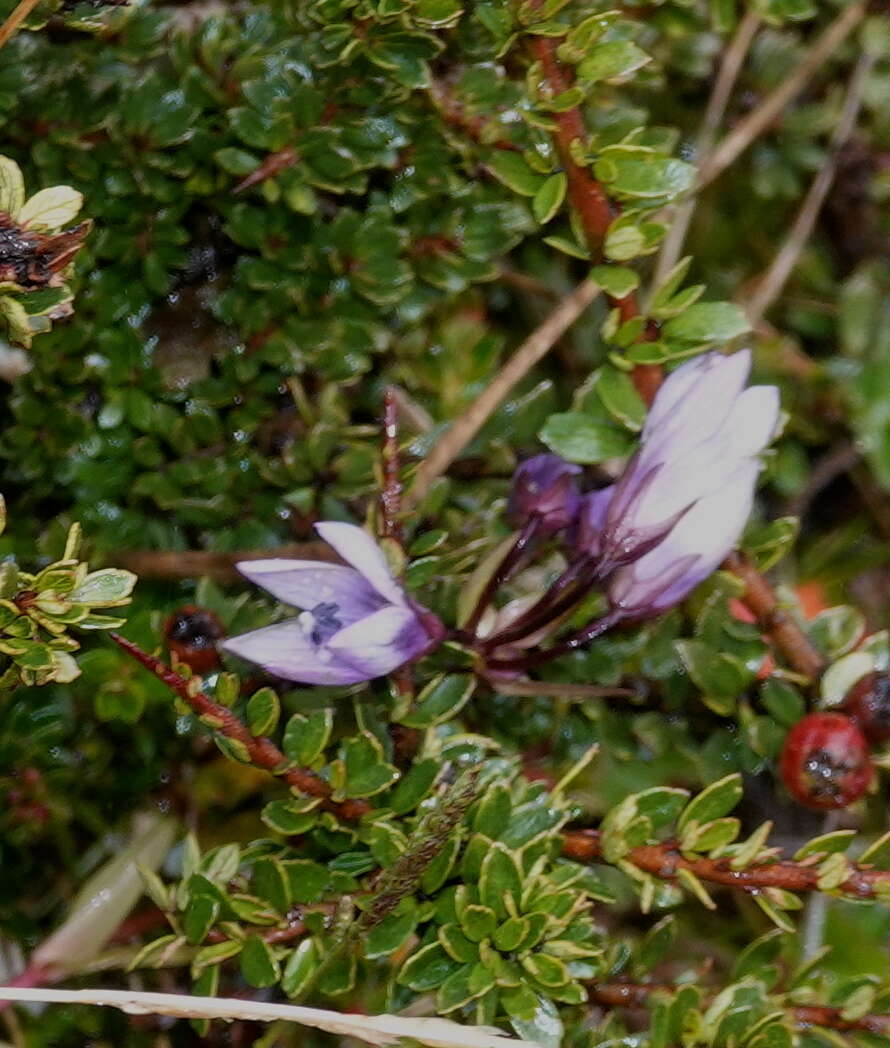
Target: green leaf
pixel 783 701
pixel 638 173
pixel 612 60
pixel 768 543
pixel 12 187
pixel 414 786
pixel 300 968
pixel 287 818
pixel 720 676
pixel 707 322
pixel 620 397
pixel 107 588
pixel 543 1028
pixel 515 173
pixel 305 736
pixel 548 199
pixel 437 14
pixel 499 877
pixel 258 964
pixel 367 773
pixel 458 945
pixel 510 934
pixel 616 281
pixel 263 711
pixel 714 802
pixel 51 208
pixel 493 812
pixel 390 934
pixel 578 438
pixel 199 917
pixel 455 991
pixel 440 700
pixel 271 882
pixel 236 161
pixel 427 969
pixel 478 922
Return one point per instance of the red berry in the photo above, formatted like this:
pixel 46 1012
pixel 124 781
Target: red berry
pixel 868 703
pixel 825 761
pixel 191 634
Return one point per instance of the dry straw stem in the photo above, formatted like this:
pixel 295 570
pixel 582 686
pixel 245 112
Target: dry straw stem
pixel 769 286
pixel 730 67
pixel 759 119
pixel 373 1029
pixel 15 19
pixel 464 428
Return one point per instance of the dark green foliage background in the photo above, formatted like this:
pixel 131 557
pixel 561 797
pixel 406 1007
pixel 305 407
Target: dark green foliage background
pixel 219 386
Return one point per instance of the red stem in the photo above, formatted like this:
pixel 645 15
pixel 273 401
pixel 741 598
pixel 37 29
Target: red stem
pixel 665 861
pixel 263 752
pixel 636 995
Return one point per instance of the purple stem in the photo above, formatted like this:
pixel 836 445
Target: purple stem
pixel 502 572
pixel 563 646
pixel 567 590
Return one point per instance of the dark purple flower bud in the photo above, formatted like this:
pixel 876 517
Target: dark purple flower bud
pixel 544 487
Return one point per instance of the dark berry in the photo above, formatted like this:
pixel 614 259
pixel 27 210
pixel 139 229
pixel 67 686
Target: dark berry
pixel 191 634
pixel 868 703
pixel 825 761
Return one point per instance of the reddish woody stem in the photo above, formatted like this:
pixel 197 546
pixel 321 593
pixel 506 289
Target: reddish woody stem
pixel 391 495
pixel 784 632
pixel 665 861
pixel 636 995
pixel 263 753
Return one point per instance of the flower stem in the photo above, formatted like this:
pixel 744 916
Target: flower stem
pixel 567 590
pixel 508 565
pixel 563 646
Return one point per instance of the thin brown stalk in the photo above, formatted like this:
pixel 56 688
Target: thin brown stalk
pixel 760 118
pixel 786 635
pixel 769 286
pixel 464 428
pixel 196 564
pixel 730 66
pixel 21 12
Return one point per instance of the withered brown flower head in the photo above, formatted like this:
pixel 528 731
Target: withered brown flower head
pixel 34 260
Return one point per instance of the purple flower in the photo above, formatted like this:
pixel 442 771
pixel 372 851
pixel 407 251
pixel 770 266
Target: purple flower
pixel 356 622
pixel 683 499
pixel 544 488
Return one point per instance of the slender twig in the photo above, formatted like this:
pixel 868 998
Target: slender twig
pixel 195 564
pixel 622 994
pixel 262 752
pixel 555 690
pixel 785 633
pixel 18 16
pixel 769 286
pixel 730 66
pixel 455 114
pixel 665 861
pixel 391 494
pixel 760 118
pixel 464 428
pixel 835 463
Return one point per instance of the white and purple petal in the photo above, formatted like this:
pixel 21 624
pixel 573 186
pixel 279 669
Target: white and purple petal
pixel 359 550
pixel 305 584
pixel 381 642
pixel 285 650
